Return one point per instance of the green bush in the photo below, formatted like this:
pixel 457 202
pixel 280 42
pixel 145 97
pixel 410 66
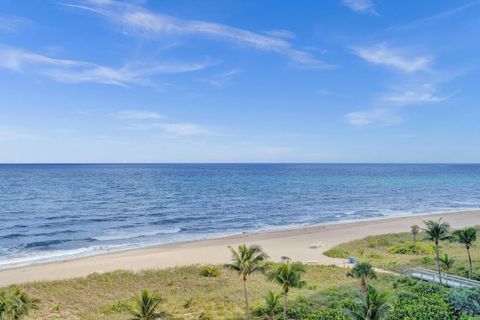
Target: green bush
pixel 419 301
pixel 329 314
pixel 427 260
pixel 465 301
pixel 412 248
pixel 210 271
pixel 468 317
pixel 299 309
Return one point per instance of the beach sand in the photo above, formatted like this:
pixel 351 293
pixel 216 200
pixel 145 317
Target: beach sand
pixel 303 244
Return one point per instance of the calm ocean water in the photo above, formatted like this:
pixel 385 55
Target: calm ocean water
pixel 52 212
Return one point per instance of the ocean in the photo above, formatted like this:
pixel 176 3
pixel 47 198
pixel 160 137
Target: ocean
pixel 53 212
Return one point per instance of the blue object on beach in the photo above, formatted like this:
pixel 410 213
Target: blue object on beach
pixel 352 260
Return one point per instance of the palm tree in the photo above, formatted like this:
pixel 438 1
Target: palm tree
pixel 247 260
pixel 272 301
pixel 436 231
pixel 467 236
pixel 288 275
pixel 363 271
pixel 16 304
pixel 415 229
pixel 447 262
pixel 372 305
pixel 146 305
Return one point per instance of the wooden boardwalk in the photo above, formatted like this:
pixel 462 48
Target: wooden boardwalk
pixel 447 279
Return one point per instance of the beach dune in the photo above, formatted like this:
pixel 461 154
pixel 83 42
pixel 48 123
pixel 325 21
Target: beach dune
pixel 303 244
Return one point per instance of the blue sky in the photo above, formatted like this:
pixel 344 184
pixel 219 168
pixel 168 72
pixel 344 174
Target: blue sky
pixel 239 81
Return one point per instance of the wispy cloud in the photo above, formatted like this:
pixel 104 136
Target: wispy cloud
pixel 425 93
pixel 137 115
pixel 184 129
pixel 362 6
pixel 11 24
pixel 154 121
pixel 76 71
pixel 390 112
pixel 400 59
pixel 8 133
pixel 322 92
pixel 137 20
pixel 378 116
pixel 436 17
pixel 280 33
pixel 221 79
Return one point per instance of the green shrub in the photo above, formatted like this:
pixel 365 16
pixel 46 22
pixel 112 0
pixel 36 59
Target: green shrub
pixel 210 271
pixel 427 260
pixel 329 314
pixel 337 252
pixel 419 301
pixel 380 242
pixel 465 301
pixel 299 309
pixel 468 317
pixel 412 248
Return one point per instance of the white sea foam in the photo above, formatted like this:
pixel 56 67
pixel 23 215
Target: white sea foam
pixel 134 233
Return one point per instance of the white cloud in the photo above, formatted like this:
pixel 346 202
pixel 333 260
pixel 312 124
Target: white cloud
pixel 379 116
pixel 138 20
pixel 75 71
pixel 137 115
pixel 422 94
pixel 280 33
pixel 322 92
pixel 11 24
pixel 436 17
pixel 184 129
pixel 154 121
pixel 362 6
pixel 12 134
pixel 382 54
pixel 221 79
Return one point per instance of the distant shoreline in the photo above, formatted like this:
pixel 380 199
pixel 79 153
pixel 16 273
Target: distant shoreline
pixel 305 244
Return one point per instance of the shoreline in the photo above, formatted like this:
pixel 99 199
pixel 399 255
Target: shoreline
pixel 305 244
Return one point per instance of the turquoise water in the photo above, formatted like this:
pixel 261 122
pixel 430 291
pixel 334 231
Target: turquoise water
pixel 53 212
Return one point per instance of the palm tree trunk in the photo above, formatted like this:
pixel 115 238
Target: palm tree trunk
pixel 470 271
pixel 246 297
pixel 363 285
pixel 438 263
pixel 414 239
pixel 285 305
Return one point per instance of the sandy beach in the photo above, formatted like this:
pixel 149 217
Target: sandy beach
pixel 304 244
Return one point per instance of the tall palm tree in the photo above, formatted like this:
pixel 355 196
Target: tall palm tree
pixel 146 305
pixel 415 229
pixel 372 305
pixel 247 260
pixel 467 236
pixel 288 275
pixel 362 271
pixel 272 301
pixel 436 231
pixel 16 304
pixel 447 262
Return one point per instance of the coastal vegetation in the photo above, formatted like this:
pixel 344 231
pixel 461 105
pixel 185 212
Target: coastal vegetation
pixel 246 261
pixel 287 275
pixel 309 292
pixel 396 252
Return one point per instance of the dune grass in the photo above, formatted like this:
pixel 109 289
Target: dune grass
pixel 392 252
pixel 186 292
